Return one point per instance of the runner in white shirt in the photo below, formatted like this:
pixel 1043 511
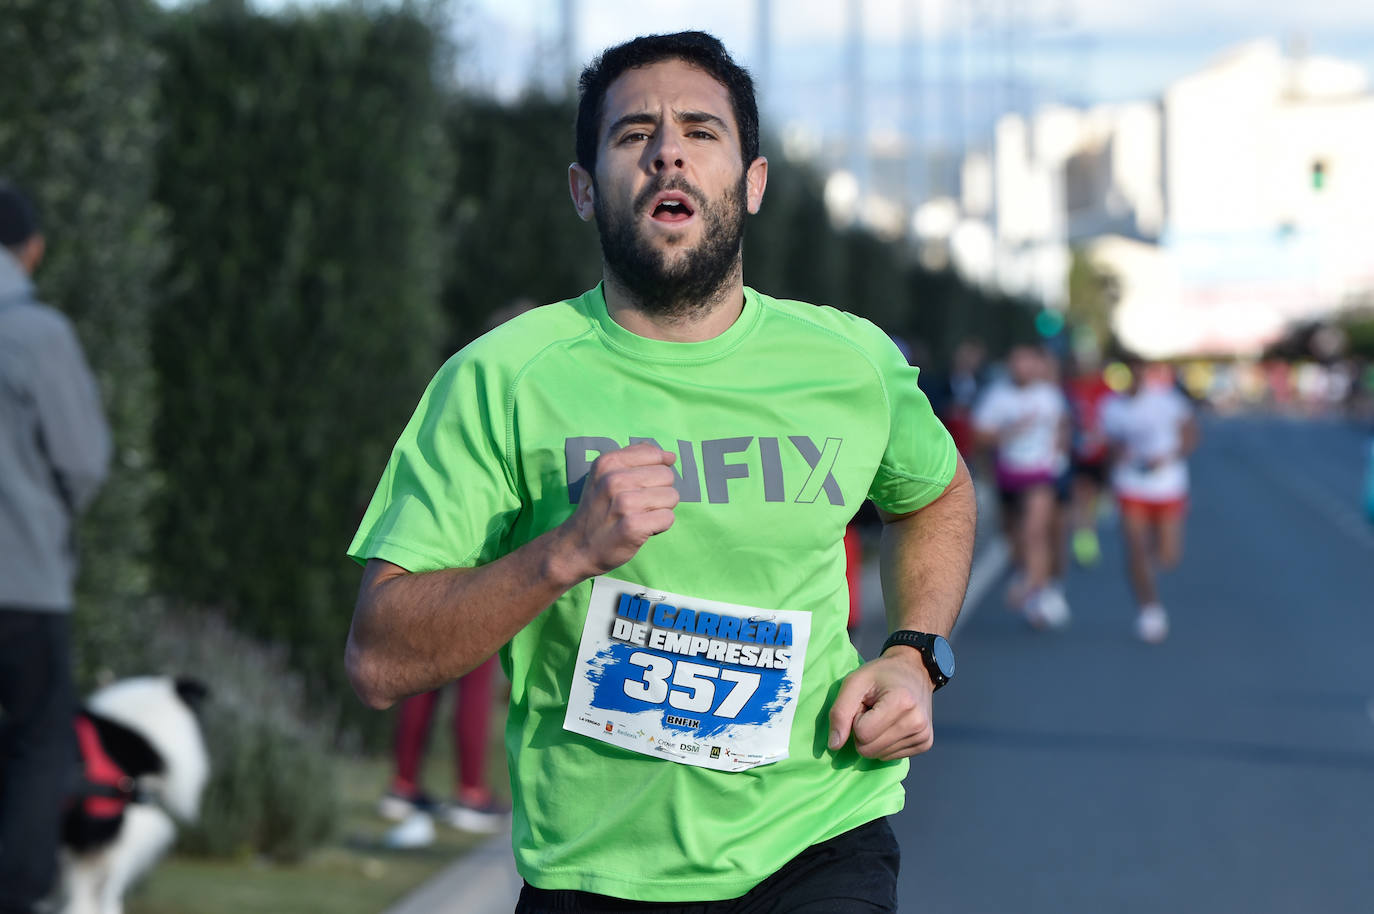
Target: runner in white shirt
pixel 1153 430
pixel 1024 419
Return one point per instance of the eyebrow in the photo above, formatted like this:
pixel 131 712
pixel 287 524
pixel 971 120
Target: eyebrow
pixel 682 117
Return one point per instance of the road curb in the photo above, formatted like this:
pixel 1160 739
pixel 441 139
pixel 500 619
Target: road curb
pixel 482 881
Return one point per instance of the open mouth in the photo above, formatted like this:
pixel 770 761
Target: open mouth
pixel 672 207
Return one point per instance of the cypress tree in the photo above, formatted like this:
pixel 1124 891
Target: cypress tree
pixel 301 172
pixel 78 93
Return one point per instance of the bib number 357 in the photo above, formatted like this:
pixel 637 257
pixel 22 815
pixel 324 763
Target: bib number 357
pixel 693 685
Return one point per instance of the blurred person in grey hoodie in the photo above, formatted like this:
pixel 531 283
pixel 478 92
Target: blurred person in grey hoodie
pixel 54 454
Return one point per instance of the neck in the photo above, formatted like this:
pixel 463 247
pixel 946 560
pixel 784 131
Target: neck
pixel 701 320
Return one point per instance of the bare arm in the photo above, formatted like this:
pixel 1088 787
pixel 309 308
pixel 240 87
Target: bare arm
pixel 925 559
pixel 1189 436
pixel 414 632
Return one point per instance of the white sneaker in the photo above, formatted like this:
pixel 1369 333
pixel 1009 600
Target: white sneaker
pixel 416 830
pixel 1152 625
pixel 1046 608
pixel 1053 608
pixel 398 807
pixel 486 819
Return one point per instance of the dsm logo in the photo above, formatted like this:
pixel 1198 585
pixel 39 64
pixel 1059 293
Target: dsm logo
pixel 688 747
pixel 715 752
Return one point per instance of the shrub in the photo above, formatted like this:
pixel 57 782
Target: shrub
pixel 272 784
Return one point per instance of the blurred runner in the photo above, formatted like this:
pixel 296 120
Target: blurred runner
pixel 1369 484
pixel 1087 390
pixel 1024 420
pixel 473 808
pixel 952 395
pixel 1153 430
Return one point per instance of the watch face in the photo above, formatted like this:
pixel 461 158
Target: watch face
pixel 944 656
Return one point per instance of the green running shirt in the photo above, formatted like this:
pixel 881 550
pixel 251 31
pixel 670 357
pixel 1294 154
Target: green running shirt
pixel 782 425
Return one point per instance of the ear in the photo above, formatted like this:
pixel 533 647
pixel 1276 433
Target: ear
pixel 31 253
pixel 582 186
pixel 129 748
pixel 192 691
pixel 756 180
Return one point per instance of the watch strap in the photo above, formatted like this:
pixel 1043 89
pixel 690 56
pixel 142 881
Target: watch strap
pixel 924 643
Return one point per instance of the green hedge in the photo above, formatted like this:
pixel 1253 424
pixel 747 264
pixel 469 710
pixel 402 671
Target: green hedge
pixel 78 128
pixel 301 171
pixel 510 231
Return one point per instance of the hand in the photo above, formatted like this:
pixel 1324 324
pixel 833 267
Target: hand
pixel 885 705
pixel 1150 464
pixel 627 498
pixel 1015 429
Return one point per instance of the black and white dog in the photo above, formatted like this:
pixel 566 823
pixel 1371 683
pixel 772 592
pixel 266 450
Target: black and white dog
pixel 145 769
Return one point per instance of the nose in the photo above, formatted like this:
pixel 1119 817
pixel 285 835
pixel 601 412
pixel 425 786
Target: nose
pixel 669 151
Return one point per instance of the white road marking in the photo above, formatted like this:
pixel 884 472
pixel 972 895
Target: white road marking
pixel 1344 516
pixel 987 569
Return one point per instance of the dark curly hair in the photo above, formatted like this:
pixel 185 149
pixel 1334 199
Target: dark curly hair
pixel 696 48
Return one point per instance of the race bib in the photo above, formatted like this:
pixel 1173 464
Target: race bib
pixel 692 680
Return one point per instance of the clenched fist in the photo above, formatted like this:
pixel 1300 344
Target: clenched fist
pixel 627 498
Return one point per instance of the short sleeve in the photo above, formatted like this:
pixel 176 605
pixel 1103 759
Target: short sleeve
pixel 1062 410
pixel 987 413
pixel 1110 416
pixel 1183 408
pixel 447 497
pixel 920 459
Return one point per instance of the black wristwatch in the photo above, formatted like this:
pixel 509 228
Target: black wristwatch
pixel 936 653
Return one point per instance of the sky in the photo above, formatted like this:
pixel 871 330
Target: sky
pixel 970 65
pixel 1075 51
pixel 603 21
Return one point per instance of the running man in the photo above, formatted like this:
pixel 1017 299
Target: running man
pixel 639 497
pixel 1023 419
pixel 1153 430
pixel 1087 391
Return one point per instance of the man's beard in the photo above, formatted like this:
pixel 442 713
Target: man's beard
pixel 692 281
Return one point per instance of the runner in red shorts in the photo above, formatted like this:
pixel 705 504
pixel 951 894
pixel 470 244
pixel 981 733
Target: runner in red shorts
pixel 1153 430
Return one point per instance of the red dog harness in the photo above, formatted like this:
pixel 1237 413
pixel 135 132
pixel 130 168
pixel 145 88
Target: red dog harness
pixel 107 788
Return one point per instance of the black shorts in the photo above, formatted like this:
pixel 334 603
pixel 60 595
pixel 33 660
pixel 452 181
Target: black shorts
pixel 852 873
pixel 1096 470
pixel 1013 500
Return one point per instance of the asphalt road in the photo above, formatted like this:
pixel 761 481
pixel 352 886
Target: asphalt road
pixel 1230 769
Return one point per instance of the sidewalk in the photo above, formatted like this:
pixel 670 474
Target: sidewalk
pixel 485 881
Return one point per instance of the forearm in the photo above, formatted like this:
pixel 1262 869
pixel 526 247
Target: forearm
pixel 925 559
pixel 1188 438
pixel 415 632
pixel 886 703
